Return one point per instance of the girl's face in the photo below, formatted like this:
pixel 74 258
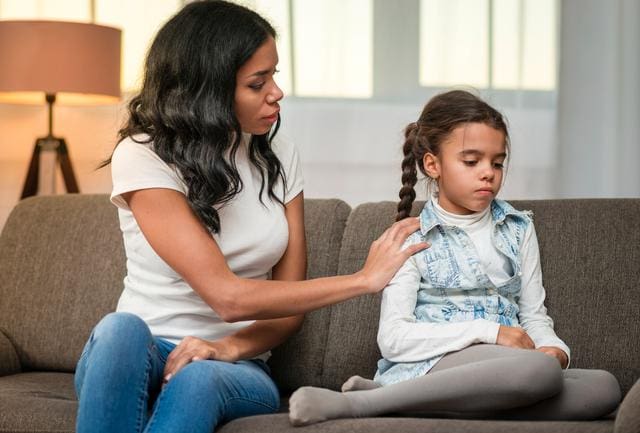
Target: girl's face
pixel 257 94
pixel 469 168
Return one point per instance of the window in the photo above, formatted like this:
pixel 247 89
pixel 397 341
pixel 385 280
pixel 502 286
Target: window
pixel 492 44
pixel 331 52
pixel 363 49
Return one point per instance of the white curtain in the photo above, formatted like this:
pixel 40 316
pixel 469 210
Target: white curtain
pixel 599 99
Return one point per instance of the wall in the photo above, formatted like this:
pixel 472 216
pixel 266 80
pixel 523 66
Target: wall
pixel 349 149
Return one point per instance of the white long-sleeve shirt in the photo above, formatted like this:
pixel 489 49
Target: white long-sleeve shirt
pixel 404 339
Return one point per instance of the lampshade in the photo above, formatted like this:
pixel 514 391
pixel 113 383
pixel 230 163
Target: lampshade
pixel 78 62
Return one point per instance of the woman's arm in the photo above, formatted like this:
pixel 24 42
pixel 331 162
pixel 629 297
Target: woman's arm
pixel 262 335
pixel 533 313
pixel 177 236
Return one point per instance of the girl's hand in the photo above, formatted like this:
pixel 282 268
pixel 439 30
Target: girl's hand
pixel 557 353
pixel 514 337
pixel 386 255
pixel 196 349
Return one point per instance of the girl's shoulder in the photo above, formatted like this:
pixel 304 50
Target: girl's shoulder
pixel 502 211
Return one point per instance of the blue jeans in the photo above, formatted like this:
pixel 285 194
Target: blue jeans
pixel 119 378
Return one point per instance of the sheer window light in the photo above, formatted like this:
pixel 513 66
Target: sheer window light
pixel 333 48
pixel 453 43
pixel 68 10
pixel 459 41
pixel 137 33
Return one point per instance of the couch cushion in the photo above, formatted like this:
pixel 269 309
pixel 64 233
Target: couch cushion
pixel 37 402
pixel 280 423
pixel 61 270
pixel 590 263
pixel 299 361
pixel 590 259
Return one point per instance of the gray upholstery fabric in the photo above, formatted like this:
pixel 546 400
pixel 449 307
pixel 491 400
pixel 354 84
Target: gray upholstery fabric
pixel 62 268
pixel 280 423
pixel 62 264
pixel 590 267
pixel 9 362
pixel 37 402
pixel 299 361
pixel 628 418
pixel 352 347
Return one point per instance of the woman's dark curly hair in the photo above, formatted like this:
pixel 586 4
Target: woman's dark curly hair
pixel 186 105
pixel 442 114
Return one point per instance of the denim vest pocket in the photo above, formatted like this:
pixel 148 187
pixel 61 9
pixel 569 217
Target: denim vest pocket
pixel 442 268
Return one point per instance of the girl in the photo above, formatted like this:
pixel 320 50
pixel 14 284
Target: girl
pixel 463 327
pixel 210 203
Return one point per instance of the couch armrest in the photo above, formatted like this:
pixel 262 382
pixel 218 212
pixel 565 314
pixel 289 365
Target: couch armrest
pixel 628 417
pixel 9 362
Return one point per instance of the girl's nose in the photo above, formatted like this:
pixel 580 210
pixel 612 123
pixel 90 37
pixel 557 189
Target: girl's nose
pixel 487 173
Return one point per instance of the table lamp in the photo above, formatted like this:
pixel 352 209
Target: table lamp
pixel 67 62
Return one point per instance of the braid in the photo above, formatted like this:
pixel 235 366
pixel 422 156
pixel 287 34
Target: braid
pixel 409 173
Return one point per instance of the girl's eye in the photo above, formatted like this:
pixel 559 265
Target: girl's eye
pixel 470 163
pixel 499 165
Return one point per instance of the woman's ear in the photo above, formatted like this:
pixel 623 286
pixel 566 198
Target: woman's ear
pixel 431 165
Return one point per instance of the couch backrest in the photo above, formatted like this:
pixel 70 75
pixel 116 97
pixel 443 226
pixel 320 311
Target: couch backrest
pixel 300 360
pixel 62 265
pixel 61 269
pixel 591 272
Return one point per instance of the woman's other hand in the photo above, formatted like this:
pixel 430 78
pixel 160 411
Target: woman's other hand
pixel 386 254
pixel 196 349
pixel 557 353
pixel 512 336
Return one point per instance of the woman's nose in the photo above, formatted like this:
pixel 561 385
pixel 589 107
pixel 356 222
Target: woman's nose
pixel 275 94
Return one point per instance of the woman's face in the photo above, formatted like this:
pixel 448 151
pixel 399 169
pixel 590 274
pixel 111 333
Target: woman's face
pixel 257 94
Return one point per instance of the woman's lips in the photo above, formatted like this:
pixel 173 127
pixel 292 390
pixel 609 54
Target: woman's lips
pixel 272 118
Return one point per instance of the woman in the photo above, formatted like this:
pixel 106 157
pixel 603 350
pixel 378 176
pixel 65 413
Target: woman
pixel 210 203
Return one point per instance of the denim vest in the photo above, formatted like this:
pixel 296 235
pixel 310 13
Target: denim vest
pixel 453 285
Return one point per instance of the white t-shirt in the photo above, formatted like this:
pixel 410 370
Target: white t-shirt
pixel 252 238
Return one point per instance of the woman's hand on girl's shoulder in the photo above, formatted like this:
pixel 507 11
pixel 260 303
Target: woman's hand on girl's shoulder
pixel 387 255
pixel 193 349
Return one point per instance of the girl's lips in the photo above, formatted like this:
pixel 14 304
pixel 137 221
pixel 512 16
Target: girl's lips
pixel 484 191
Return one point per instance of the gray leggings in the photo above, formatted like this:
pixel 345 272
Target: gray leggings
pixel 494 381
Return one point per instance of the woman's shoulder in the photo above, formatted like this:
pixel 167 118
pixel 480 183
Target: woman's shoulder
pixel 134 166
pixel 133 147
pixel 283 147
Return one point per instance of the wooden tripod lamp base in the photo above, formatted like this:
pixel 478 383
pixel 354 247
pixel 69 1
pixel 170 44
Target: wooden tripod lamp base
pixel 58 147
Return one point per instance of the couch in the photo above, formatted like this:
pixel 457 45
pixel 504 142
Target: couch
pixel 61 270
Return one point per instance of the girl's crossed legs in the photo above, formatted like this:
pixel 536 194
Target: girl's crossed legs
pixel 480 381
pixel 119 385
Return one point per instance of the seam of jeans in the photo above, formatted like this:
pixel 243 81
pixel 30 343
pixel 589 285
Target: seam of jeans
pixel 144 395
pixel 250 400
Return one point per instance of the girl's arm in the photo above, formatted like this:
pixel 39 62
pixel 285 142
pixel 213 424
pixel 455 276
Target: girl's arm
pixel 533 314
pixel 403 339
pixel 262 335
pixel 178 237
